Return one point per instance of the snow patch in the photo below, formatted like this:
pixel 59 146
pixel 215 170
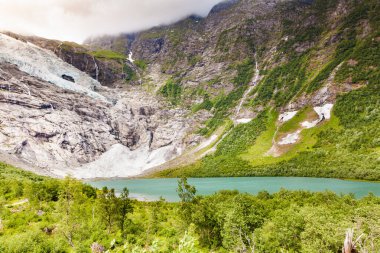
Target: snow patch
pixel 286 116
pixel 120 161
pixel 324 112
pixel 307 124
pixel 243 121
pixel 290 138
pixel 45 65
pixel 207 142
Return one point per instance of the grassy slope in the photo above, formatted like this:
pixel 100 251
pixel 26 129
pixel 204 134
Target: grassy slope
pixel 347 146
pixel 108 55
pixel 332 149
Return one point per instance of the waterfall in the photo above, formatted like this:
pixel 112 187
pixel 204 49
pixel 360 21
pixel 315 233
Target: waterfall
pixel 253 84
pixel 96 68
pixel 131 60
pixel 246 93
pixel 130 57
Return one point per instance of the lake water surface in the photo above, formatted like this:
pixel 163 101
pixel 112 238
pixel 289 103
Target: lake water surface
pixel 153 189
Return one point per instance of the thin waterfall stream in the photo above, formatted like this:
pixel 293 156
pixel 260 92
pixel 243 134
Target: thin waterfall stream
pixel 250 88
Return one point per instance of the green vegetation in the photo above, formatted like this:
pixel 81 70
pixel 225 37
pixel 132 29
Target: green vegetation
pixel 130 75
pixel 194 59
pixel 73 47
pixel 38 214
pixel 141 64
pixel 119 59
pixel 286 80
pixel 343 50
pixel 225 40
pixel 172 91
pixel 226 160
pixel 223 104
pixel 363 65
pixel 205 105
pixel 68 216
pixel 108 55
pixel 344 147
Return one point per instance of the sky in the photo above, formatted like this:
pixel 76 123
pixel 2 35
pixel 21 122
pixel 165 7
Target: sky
pixel 76 20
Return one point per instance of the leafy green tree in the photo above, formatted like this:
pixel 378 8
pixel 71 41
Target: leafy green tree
pixel 281 233
pixel 71 206
pixel 206 221
pixel 107 203
pixel 189 242
pixel 186 193
pixel 124 207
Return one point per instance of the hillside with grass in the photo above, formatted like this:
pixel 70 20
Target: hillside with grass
pixel 328 66
pixel 255 88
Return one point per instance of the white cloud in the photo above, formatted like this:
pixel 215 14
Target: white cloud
pixel 75 20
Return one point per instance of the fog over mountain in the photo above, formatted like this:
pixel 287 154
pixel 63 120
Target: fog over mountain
pixel 75 20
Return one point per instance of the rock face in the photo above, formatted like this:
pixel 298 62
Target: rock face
pixel 106 71
pixel 45 65
pixel 102 109
pixel 59 129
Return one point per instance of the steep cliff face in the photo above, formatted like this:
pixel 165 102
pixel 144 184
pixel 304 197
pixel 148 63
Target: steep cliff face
pixel 308 53
pixel 101 66
pixel 57 118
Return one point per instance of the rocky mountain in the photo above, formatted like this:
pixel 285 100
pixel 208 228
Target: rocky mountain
pixel 255 88
pixel 56 118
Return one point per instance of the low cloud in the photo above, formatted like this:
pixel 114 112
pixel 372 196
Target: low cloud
pixel 76 20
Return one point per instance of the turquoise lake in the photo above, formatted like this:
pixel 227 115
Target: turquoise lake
pixel 153 189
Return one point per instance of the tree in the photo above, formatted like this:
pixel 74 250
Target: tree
pixel 282 232
pixel 235 231
pixel 71 206
pixel 124 207
pixel 189 242
pixel 108 207
pixel 186 193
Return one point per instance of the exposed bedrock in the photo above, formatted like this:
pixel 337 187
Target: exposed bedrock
pixel 60 130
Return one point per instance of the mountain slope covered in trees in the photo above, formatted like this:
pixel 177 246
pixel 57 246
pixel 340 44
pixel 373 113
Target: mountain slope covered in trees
pixel 47 215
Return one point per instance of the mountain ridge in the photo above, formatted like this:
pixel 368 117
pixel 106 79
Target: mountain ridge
pixel 310 54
